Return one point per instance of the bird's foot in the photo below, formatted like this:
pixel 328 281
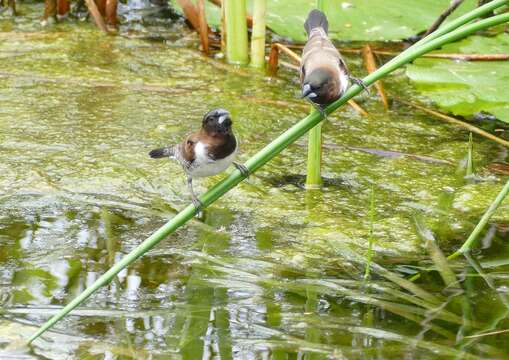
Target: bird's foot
pixel 359 82
pixel 242 168
pixel 199 206
pixel 322 112
pixel 319 108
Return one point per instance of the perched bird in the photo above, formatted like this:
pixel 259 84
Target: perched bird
pixel 207 152
pixel 324 76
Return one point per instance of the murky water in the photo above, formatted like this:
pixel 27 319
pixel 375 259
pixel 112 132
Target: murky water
pixel 272 271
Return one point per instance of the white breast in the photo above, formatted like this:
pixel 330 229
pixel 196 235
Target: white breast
pixel 203 165
pixel 343 80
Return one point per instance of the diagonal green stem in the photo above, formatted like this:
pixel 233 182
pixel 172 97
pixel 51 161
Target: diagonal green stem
pixel 471 15
pixel 264 156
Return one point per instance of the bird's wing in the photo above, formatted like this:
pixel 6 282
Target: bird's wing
pixel 185 154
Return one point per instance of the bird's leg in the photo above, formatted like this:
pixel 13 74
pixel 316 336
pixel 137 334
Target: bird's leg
pixel 359 82
pixel 242 168
pixel 318 108
pixel 196 202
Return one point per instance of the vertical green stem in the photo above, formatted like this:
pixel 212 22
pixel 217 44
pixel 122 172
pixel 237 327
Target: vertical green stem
pixel 258 35
pixel 314 165
pixel 314 177
pixel 236 28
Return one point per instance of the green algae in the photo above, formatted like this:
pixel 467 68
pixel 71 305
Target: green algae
pixel 259 275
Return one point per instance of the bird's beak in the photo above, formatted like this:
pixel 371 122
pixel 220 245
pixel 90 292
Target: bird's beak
pixel 222 118
pixel 307 92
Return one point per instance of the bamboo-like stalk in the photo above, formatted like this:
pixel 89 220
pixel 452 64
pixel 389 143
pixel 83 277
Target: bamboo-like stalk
pixel 258 34
pixel 314 163
pixel 472 239
pixel 273 149
pixel 249 19
pixel 236 28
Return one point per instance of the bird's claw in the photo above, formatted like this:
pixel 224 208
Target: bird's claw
pixel 322 112
pixel 242 168
pixel 318 108
pixel 359 82
pixel 198 205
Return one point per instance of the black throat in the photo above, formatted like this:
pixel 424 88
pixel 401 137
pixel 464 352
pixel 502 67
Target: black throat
pixel 222 146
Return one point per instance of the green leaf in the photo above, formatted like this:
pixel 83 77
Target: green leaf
pixel 467 87
pixel 353 20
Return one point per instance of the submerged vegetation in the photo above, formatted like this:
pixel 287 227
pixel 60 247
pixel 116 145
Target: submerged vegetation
pixel 356 268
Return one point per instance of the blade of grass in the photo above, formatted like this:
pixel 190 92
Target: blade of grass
pixel 470 160
pixel 371 227
pixel 437 256
pixel 266 154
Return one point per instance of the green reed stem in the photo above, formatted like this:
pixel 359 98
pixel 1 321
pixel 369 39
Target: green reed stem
pixel 472 239
pixel 258 35
pixel 264 156
pixel 236 32
pixel 314 164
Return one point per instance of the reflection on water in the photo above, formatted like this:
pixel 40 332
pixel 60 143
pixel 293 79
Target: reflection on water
pixel 273 271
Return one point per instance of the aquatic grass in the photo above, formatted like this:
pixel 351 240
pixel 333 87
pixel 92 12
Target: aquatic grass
pixel 280 143
pixel 369 255
pixel 470 160
pixel 436 255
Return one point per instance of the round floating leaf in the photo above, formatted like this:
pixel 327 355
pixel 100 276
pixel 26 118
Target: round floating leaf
pixel 467 87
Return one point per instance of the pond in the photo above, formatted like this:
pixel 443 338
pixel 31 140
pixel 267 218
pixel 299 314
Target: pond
pixel 272 270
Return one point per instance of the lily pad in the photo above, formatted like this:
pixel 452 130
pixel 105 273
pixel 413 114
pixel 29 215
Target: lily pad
pixel 353 20
pixel 467 87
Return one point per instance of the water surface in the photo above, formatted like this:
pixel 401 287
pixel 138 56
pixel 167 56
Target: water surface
pixel 272 271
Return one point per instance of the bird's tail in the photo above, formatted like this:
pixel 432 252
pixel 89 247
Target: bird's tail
pixel 315 19
pixel 162 152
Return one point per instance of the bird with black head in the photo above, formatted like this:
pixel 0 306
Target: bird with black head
pixel 324 75
pixel 206 152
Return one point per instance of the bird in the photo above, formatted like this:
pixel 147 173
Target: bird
pixel 206 152
pixel 324 75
